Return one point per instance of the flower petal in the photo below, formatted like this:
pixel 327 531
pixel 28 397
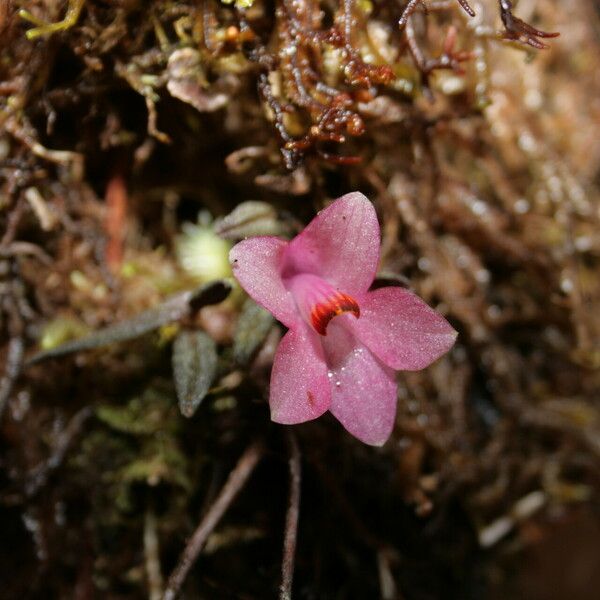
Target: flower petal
pixel 300 389
pixel 401 330
pixel 256 264
pixel 363 390
pixel 341 244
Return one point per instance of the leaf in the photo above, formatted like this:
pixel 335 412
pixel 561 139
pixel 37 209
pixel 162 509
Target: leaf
pixel 160 461
pixel 194 368
pixel 142 415
pixel 248 219
pixel 252 327
pixel 174 308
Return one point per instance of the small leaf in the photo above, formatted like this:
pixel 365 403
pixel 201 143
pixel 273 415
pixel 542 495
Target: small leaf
pixel 140 416
pixel 174 308
pixel 252 327
pixel 194 368
pixel 160 460
pixel 250 218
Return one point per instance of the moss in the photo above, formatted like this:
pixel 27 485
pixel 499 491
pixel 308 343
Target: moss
pixel 129 118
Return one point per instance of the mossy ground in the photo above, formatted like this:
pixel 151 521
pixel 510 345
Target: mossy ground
pixel 481 154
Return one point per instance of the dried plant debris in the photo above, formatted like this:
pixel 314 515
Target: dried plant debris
pixel 474 132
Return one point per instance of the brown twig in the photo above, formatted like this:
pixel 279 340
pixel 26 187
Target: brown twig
pixel 20 248
pixel 466 7
pixel 291 519
pixel 14 363
pixel 40 475
pixel 518 30
pixel 234 484
pixel 409 9
pixel 449 59
pixel 152 556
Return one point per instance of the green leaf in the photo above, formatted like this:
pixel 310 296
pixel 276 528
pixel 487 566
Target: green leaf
pixel 143 415
pixel 251 329
pixel 250 219
pixel 173 309
pixel 161 462
pixel 194 368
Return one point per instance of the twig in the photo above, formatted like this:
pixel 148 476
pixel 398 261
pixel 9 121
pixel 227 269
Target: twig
pixel 152 557
pixel 409 9
pixel 291 520
pixel 465 6
pixel 26 135
pixel 234 484
pixel 16 248
pixel 39 476
pixel 40 208
pixel 13 220
pixel 14 363
pixel 387 584
pixel 518 30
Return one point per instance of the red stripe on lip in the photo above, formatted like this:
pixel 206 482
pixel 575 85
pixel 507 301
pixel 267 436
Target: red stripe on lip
pixel 323 312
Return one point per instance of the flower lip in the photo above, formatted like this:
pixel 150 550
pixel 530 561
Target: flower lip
pixel 318 301
pixel 335 305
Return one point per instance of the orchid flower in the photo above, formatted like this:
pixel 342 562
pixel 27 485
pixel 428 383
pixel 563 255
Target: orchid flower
pixel 344 342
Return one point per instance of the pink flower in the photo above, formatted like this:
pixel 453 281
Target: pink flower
pixel 344 342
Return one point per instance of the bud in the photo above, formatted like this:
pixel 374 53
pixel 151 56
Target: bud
pixel 201 252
